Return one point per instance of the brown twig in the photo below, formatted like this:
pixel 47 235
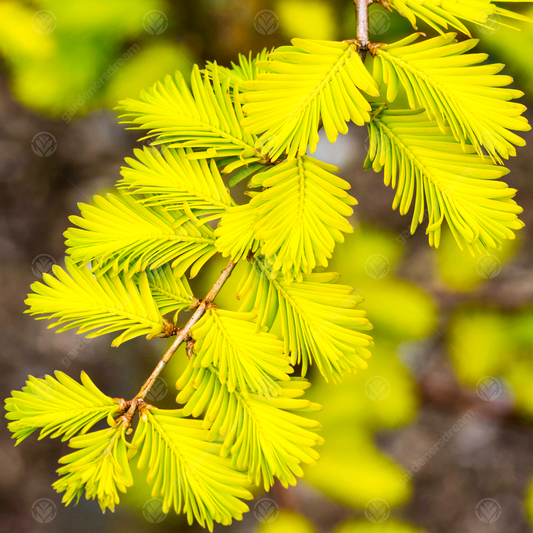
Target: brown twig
pixel 361 13
pixel 183 335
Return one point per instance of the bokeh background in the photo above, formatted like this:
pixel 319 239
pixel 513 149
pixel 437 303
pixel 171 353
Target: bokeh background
pixel 436 436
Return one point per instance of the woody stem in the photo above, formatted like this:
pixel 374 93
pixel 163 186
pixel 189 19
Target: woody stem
pixel 183 335
pixel 361 12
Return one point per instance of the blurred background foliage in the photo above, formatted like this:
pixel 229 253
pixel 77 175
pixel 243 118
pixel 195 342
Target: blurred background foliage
pixel 453 333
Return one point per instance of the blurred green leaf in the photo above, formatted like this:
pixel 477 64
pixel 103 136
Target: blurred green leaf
pixel 354 256
pixel 152 63
pixel 86 53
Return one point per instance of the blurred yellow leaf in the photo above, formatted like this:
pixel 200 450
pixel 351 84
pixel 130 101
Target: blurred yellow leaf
pixel 18 38
pixel 488 346
pixel 382 396
pixel 477 342
pixel 307 19
pixel 460 271
pixel 397 309
pixel 351 471
pixel 280 521
pixel 389 525
pixel 368 253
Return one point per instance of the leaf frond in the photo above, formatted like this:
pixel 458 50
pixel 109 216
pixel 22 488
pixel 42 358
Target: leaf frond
pixel 206 119
pixel 264 435
pixel 186 470
pixel 304 85
pixel 243 357
pixel 245 70
pixel 456 91
pixel 430 169
pixel 170 292
pixel 100 468
pixel 77 299
pixel 298 217
pixel 172 181
pixel 121 235
pixel 320 320
pixel 235 235
pixel 58 406
pixel 440 15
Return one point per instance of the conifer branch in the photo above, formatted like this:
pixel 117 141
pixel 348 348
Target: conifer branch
pixel 183 335
pixel 129 252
